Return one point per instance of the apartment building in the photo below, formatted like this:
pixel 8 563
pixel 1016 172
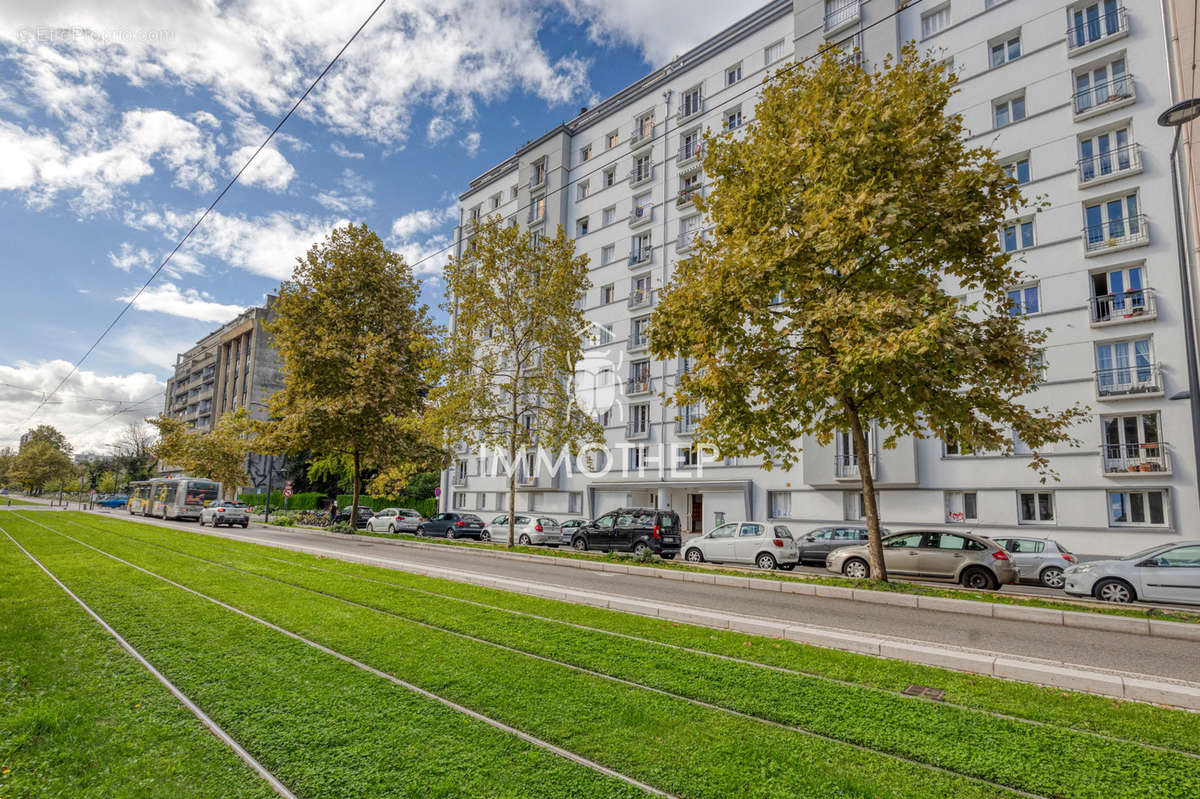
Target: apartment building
pixel 1068 94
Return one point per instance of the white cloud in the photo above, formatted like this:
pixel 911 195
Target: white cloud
pixel 471 142
pixel 128 257
pixel 90 410
pixel 423 221
pixel 353 194
pixel 270 169
pixel 340 150
pixel 660 30
pixel 439 130
pixel 168 298
pixel 423 237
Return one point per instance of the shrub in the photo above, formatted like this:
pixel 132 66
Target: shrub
pixel 283 521
pixel 341 527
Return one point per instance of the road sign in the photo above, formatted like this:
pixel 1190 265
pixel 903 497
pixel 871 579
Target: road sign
pixel 287 492
pixel 287 483
pixel 437 492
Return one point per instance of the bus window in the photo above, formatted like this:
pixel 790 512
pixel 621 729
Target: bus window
pixel 200 492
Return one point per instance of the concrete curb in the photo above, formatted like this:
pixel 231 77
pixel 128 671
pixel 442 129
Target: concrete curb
pixel 1138 688
pixel 972 607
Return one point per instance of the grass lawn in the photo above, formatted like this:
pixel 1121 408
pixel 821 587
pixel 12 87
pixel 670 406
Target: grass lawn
pixel 5 501
pixel 618 692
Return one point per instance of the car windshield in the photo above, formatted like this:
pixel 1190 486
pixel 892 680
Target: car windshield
pixel 235 504
pixel 1143 553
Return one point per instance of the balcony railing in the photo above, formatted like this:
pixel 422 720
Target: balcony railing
pixel 686 196
pixel 1090 32
pixel 1126 306
pixel 641 133
pixel 837 18
pixel 689 152
pixel 639 341
pixel 639 176
pixel 637 430
pixel 1118 233
pixel 1102 95
pixel 686 426
pixel 687 241
pixel 636 386
pixel 536 215
pixel 1125 160
pixel 526 480
pixel 458 479
pixel 641 215
pixel 640 298
pixel 845 467
pixel 1140 459
pixel 643 256
pixel 689 108
pixel 1129 381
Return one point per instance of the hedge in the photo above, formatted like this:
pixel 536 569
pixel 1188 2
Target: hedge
pixel 425 507
pixel 306 501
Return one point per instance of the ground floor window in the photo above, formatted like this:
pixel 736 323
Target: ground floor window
pixel 1035 507
pixel 961 506
pixel 460 499
pixel 575 502
pixel 779 504
pixel 855 507
pixel 1137 507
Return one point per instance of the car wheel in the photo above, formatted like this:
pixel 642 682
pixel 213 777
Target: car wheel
pixel 641 548
pixel 1113 590
pixel 421 531
pixel 1052 577
pixel 856 569
pixel 523 540
pixel 392 529
pixel 245 525
pixel 485 536
pixel 449 533
pixel 766 561
pixel 694 555
pixel 580 544
pixel 979 580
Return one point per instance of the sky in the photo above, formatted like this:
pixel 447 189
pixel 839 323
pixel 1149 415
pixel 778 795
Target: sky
pixel 120 121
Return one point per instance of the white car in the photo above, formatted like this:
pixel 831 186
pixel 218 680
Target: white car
pixel 766 546
pixel 527 530
pixel 395 520
pixel 1165 573
pixel 228 513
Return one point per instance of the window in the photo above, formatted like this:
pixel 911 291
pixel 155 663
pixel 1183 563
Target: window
pixel 605 336
pixel 612 139
pixel 515 190
pixel 1035 507
pixel 639 294
pixel 639 420
pixel 610 177
pixel 773 53
pixel 961 506
pixel 854 506
pixel 581 227
pixel 1103 84
pixel 950 541
pixel 607 254
pixel 638 456
pixel 1137 507
pixel 750 530
pixel 733 74
pixel 779 504
pixel 906 541
pixel 638 332
pixel 460 499
pixel 691 102
pixel 1005 49
pixel 537 209
pixel 585 152
pixel 495 201
pixel 1108 153
pixel 1018 170
pixel 640 249
pixel 1181 558
pixel 610 214
pixel 957 449
pixel 1119 293
pixel 643 126
pixel 1094 21
pixel 839 13
pixel 733 119
pixel 1113 222
pixel 538 173
pixel 689 456
pixel 1017 236
pixel 689 144
pixel 1023 301
pixel 642 170
pixel 475 214
pixel 1125 367
pixel 1007 111
pixel 584 189
pixel 1019 445
pixel 935 21
pixel 1131 443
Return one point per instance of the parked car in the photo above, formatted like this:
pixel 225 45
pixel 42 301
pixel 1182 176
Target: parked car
pixel 452 525
pixel 1163 573
pixel 568 529
pixel 766 546
pixel 527 530
pixel 361 520
pixel 961 557
pixel 227 513
pixel 631 530
pixel 395 520
pixel 1039 560
pixel 118 501
pixel 816 545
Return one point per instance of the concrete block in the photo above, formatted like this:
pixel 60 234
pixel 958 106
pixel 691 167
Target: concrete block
pixel 698 577
pixel 765 585
pixel 1059 677
pixel 969 606
pixel 1023 613
pixel 1163 693
pixel 834 592
pixel 702 618
pixel 1111 624
pixel 793 587
pixel 730 580
pixel 667 574
pixel 633 606
pixel 937 656
pixel 1175 629
pixel 884 598
pixel 831 639
pixel 756 627
pixel 614 567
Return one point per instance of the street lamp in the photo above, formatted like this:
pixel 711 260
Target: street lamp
pixel 1176 117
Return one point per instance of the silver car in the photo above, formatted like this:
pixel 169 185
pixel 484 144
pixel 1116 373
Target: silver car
pixel 395 520
pixel 766 546
pixel 1164 573
pixel 228 513
pixel 1039 560
pixel 528 530
pixel 972 560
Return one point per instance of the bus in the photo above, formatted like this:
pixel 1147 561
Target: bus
pixel 172 497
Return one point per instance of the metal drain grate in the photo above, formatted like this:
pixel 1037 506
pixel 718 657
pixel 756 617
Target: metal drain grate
pixel 924 690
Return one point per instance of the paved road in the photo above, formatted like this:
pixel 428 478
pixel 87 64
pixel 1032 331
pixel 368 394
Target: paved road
pixel 1094 649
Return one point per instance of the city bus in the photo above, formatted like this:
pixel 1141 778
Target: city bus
pixel 172 497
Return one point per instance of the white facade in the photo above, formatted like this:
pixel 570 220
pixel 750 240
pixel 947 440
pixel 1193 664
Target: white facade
pixel 1069 94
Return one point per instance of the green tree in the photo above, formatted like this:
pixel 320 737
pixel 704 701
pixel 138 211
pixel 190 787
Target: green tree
pixel 107 483
pixel 355 341
pixel 851 217
pixel 39 464
pixel 219 454
pixel 6 460
pixel 516 335
pixel 50 435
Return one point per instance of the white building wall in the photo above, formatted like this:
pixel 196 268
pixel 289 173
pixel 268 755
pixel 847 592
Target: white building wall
pixel 914 478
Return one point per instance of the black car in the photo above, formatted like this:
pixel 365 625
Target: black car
pixel 631 530
pixel 814 546
pixel 360 521
pixel 452 525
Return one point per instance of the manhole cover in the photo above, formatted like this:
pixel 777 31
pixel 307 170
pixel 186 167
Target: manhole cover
pixel 925 691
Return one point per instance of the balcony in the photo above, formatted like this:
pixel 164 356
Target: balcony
pixel 689 156
pixel 689 109
pixel 1088 34
pixel 1115 235
pixel 687 241
pixel 1135 460
pixel 687 426
pixel 845 467
pixel 527 480
pixel 638 386
pixel 458 479
pixel 641 298
pixel 643 134
pixel 640 177
pixel 635 430
pixel 1108 166
pixel 842 17
pixel 1127 306
pixel 1129 382
pixel 638 342
pixel 536 215
pixel 641 215
pixel 1102 97
pixel 642 257
pixel 688 195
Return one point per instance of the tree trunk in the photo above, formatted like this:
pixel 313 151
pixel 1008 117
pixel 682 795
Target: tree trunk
pixel 863 454
pixel 357 488
pixel 512 495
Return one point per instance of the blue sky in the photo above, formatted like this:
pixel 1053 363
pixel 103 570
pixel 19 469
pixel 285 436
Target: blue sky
pixel 119 121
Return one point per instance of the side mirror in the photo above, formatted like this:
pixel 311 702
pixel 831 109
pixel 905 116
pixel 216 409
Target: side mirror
pixel 809 539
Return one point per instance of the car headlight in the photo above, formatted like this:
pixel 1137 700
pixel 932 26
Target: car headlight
pixel 1079 568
